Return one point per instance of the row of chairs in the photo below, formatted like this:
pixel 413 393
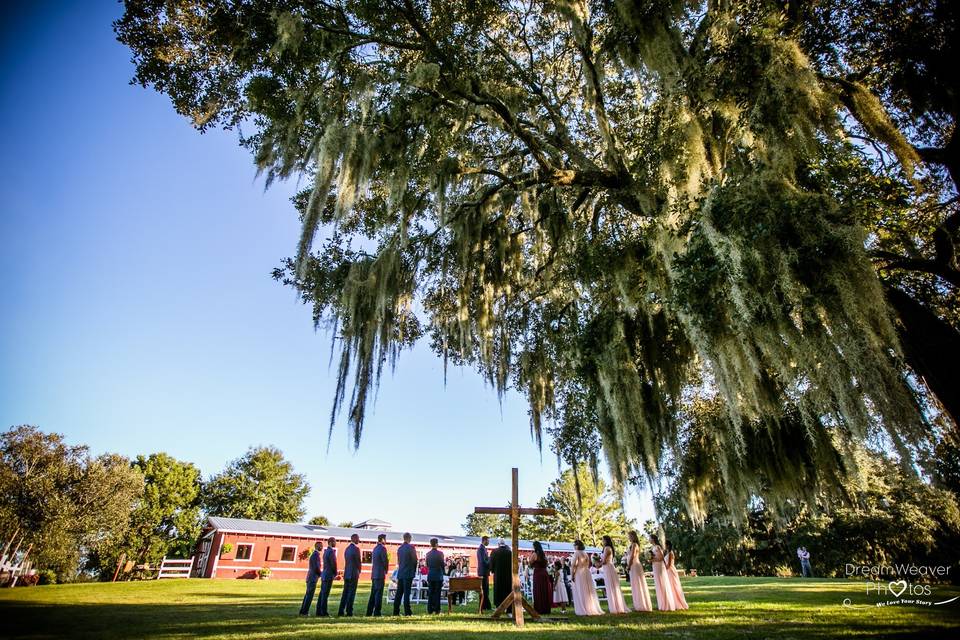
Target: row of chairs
pixel 420 591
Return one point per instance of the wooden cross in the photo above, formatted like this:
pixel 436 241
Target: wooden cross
pixel 514 511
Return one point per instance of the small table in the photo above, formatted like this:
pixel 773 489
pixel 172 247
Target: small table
pixel 466 583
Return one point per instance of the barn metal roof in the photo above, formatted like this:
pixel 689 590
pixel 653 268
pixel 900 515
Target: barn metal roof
pixel 300 530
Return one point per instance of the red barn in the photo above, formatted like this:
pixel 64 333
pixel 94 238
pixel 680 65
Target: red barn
pixel 285 547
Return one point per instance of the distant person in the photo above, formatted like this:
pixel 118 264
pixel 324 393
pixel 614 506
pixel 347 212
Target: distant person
pixel 455 570
pixel 673 576
pixel 327 576
pixel 638 578
pixel 313 574
pixel 406 570
pixel 434 562
pixel 804 556
pixel 379 563
pixel 459 570
pixel 351 575
pixel 483 570
pixel 542 591
pixel 567 579
pixel 501 563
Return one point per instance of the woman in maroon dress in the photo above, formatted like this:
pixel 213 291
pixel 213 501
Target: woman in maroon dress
pixel 542 589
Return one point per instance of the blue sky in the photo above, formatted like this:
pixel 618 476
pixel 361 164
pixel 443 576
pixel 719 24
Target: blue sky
pixel 138 312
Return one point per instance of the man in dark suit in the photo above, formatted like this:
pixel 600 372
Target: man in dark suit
pixel 313 574
pixel 326 578
pixel 435 566
pixel 378 572
pixel 501 563
pixel 351 575
pixel 483 570
pixel 406 569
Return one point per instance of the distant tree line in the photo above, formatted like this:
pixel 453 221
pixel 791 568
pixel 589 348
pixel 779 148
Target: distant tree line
pixel 586 510
pixel 81 513
pixel 891 516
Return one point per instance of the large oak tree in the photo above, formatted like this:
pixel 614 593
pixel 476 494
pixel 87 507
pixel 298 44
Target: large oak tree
pixel 620 204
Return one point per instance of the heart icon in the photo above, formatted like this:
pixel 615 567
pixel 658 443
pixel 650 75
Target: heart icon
pixel 897 587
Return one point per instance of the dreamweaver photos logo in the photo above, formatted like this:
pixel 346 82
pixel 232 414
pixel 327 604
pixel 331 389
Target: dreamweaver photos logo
pixel 901 584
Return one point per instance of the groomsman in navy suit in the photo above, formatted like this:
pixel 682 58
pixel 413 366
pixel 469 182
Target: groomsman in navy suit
pixel 313 574
pixel 483 570
pixel 435 566
pixel 406 569
pixel 351 575
pixel 326 578
pixel 378 573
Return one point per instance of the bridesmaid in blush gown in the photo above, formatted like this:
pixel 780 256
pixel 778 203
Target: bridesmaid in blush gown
pixel 585 600
pixel 674 578
pixel 638 578
pixel 542 593
pixel 661 581
pixel 611 579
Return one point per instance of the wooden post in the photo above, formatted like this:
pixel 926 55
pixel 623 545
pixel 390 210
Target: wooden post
pixel 515 599
pixel 123 559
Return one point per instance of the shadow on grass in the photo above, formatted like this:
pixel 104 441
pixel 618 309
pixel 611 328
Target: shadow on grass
pixel 276 618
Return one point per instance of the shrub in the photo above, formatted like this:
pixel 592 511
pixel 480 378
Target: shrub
pixel 226 548
pixel 47 576
pixel 264 573
pixel 783 571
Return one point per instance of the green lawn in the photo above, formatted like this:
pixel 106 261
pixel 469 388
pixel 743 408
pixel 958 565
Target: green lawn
pixel 719 608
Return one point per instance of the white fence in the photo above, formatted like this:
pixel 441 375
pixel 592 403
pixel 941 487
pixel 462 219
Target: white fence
pixel 175 568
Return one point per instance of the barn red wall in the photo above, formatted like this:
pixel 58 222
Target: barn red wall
pixel 229 567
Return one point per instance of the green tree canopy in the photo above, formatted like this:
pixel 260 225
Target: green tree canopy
pixel 893 518
pixel 261 486
pixel 68 505
pixel 586 512
pixel 617 202
pixel 488 524
pixel 166 521
pixel 320 521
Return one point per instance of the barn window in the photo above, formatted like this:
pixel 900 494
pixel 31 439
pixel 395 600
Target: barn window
pixel 244 551
pixel 366 557
pixel 288 554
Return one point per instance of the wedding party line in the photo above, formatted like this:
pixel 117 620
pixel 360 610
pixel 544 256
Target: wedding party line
pixel 554 581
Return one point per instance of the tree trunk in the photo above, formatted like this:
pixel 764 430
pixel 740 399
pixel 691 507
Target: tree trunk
pixel 931 347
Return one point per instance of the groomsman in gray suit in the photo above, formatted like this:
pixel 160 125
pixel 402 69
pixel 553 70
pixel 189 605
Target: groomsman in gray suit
pixel 351 576
pixel 378 573
pixel 435 565
pixel 406 570
pixel 313 574
pixel 483 570
pixel 326 578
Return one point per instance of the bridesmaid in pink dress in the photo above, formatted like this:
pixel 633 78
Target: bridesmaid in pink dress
pixel 611 579
pixel 674 578
pixel 585 601
pixel 638 579
pixel 661 581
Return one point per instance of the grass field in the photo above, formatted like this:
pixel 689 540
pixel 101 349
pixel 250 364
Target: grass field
pixel 221 609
